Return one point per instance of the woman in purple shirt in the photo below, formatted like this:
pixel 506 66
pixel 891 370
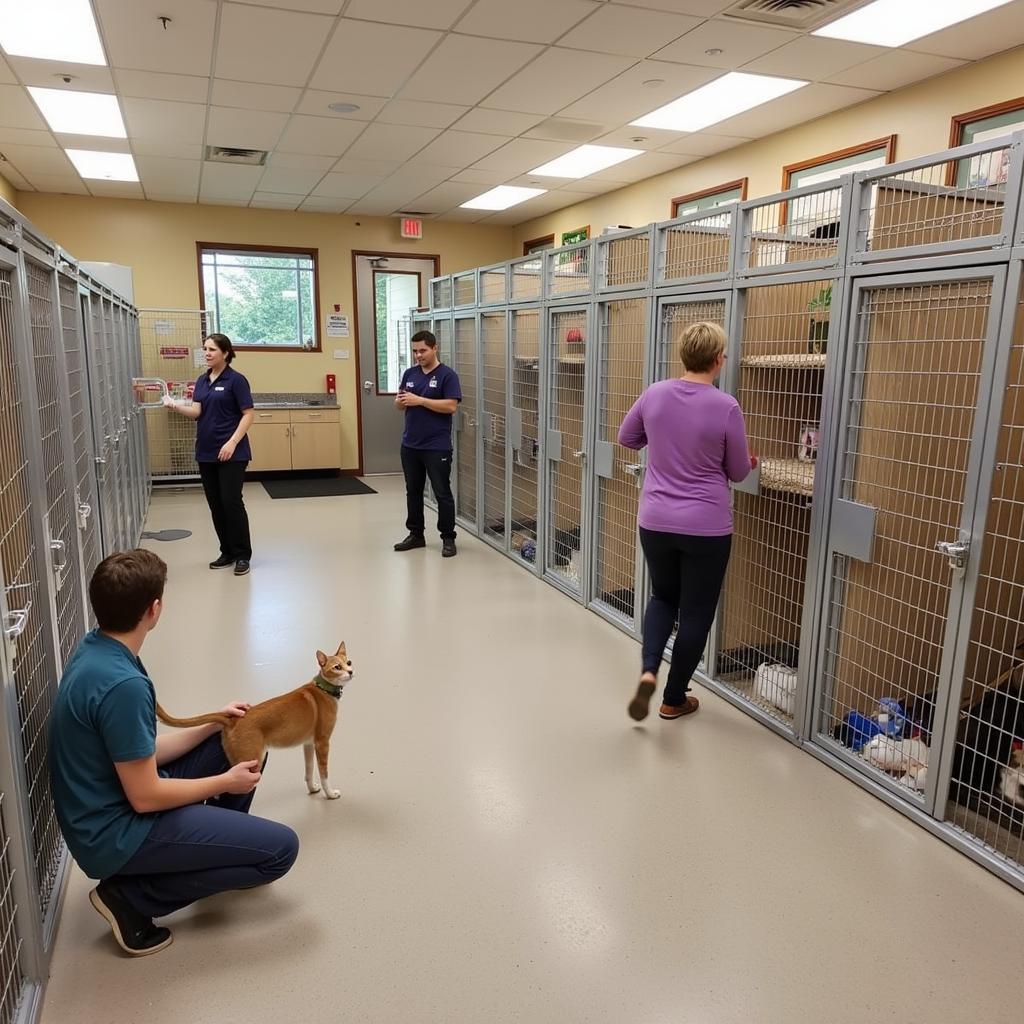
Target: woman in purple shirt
pixel 696 443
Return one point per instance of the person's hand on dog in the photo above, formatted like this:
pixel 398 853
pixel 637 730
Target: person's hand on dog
pixel 242 778
pixel 236 709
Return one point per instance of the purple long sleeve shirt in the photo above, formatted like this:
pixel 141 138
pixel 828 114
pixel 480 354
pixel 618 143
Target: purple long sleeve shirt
pixel 696 442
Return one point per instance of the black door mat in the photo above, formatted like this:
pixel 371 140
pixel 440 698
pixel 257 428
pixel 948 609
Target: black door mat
pixel 315 487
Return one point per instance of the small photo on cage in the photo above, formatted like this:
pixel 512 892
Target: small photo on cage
pixel 807 450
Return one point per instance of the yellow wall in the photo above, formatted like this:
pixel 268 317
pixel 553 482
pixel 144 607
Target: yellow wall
pixel 158 241
pixel 7 191
pixel 919 115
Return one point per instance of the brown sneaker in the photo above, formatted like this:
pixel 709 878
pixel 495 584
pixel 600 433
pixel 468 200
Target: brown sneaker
pixel 668 711
pixel 639 706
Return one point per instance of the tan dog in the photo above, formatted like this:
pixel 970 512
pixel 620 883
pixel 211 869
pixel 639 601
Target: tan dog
pixel 306 715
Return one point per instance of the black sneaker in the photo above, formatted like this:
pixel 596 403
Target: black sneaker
pixel 448 549
pixel 222 563
pixel 135 934
pixel 410 542
pixel 242 567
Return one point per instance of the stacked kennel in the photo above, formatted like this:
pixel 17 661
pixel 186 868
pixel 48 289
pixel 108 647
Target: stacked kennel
pixel 73 487
pixel 873 612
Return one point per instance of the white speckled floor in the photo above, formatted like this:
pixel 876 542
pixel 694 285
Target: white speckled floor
pixel 509 847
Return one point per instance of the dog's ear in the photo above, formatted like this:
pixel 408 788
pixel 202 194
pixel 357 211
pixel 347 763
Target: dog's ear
pixel 321 658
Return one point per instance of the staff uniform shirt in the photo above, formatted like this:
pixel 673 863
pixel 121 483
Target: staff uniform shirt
pixel 223 403
pixel 425 429
pixel 105 713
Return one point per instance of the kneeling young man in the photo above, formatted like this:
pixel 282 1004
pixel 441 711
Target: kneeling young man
pixel 162 821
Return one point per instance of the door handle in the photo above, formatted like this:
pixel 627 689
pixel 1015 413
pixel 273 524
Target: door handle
pixel 579 455
pixel 955 550
pixel 84 511
pixel 16 621
pixel 368 386
pixel 59 552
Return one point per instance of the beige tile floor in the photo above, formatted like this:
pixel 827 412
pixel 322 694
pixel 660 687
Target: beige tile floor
pixel 509 847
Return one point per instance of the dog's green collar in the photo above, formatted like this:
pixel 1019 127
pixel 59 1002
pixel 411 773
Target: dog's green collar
pixel 327 686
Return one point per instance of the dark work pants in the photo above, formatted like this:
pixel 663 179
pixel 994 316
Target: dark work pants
pixel 417 465
pixel 686 580
pixel 196 851
pixel 222 484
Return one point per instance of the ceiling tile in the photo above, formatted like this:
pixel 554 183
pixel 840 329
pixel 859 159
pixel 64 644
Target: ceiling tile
pixel 702 8
pixel 158 86
pixel 289 180
pixel 703 144
pixel 280 47
pixel 522 155
pixel 69 184
pixel 419 177
pixel 49 74
pixel 563 129
pixel 93 142
pixel 315 102
pixel 161 147
pixel 647 165
pixel 555 79
pixel 17 110
pixel 739 44
pixel 29 160
pixel 639 138
pixel 245 129
pixel 636 33
pixel 135 37
pixel 531 21
pixel 464 69
pixel 300 161
pixel 434 14
pixel 168 197
pixel 978 37
pixel 478 176
pixel 280 98
pixel 626 98
pixel 497 122
pixel 331 7
pixel 423 115
pixel 390 142
pixel 26 137
pixel 319 136
pixel 466 216
pixel 370 168
pixel 273 201
pixel 459 149
pixel 222 201
pixel 316 204
pixel 165 120
pixel 116 189
pixel 6 74
pixel 813 58
pixel 229 181
pixel 895 69
pixel 160 174
pixel 444 197
pixel 803 105
pixel 346 186
pixel 371 59
pixel 374 207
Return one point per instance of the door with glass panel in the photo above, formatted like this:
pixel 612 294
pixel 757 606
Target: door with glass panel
pixel 387 288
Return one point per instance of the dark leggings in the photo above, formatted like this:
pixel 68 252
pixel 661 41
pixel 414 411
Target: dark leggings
pixel 686 580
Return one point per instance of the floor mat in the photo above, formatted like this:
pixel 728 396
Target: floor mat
pixel 315 487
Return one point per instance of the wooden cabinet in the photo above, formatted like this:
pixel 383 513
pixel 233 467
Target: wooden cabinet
pixel 284 439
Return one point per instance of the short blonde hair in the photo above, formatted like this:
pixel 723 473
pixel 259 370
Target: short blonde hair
pixel 701 345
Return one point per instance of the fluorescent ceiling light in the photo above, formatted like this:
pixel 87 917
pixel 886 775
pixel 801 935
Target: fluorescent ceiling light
pixel 80 113
pixel 895 22
pixel 61 30
pixel 502 197
pixel 586 160
pixel 723 98
pixel 107 166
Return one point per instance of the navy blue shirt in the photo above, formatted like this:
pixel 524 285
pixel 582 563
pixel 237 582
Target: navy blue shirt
pixel 223 403
pixel 425 429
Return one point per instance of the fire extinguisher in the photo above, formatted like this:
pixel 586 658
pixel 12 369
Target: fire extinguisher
pixel 332 386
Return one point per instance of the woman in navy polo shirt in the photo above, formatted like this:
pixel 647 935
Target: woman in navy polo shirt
pixel 222 406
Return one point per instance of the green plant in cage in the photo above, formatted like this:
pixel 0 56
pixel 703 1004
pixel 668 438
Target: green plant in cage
pixel 820 308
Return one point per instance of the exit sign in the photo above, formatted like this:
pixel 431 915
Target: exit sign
pixel 412 227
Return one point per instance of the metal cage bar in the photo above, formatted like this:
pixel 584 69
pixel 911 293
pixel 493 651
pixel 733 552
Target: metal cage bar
pixel 624 260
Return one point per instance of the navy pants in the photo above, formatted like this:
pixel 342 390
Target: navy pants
pixel 418 464
pixel 196 851
pixel 686 580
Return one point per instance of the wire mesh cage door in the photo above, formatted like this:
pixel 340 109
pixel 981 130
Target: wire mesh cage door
pixel 58 467
pixel 100 419
pixel 117 413
pixel 494 425
pixel 783 336
pixel 128 489
pixel 168 341
pixel 902 516
pixel 984 720
pixel 29 635
pixel 466 363
pixel 524 434
pixel 565 450
pixel 623 327
pixel 15 989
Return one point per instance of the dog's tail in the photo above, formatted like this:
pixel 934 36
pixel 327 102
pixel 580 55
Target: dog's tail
pixel 215 717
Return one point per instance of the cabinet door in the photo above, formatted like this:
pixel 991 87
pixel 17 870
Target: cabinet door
pixel 271 446
pixel 316 445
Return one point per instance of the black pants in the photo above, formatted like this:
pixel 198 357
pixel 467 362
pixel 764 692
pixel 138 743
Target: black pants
pixel 417 465
pixel 222 484
pixel 686 580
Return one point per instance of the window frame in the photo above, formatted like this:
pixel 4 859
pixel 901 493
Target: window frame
pixel 270 250
pixel 535 246
pixel 960 123
pixel 739 185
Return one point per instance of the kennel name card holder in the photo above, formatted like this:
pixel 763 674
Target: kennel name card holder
pixel 807 446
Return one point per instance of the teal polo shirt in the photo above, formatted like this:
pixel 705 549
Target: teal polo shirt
pixel 105 712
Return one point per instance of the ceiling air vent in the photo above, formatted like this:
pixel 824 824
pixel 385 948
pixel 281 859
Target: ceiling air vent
pixel 799 14
pixel 230 155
